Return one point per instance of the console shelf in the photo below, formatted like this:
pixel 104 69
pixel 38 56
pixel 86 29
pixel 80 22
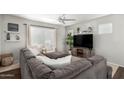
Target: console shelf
pixel 82 52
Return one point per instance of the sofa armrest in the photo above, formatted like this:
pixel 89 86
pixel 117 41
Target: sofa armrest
pixel 96 59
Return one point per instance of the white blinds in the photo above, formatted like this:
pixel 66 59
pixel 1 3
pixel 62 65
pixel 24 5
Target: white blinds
pixel 44 37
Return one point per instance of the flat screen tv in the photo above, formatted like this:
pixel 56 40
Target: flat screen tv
pixel 83 41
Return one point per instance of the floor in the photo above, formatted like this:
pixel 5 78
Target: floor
pixel 114 68
pixel 118 71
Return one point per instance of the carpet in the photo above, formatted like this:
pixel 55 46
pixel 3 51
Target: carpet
pixel 119 74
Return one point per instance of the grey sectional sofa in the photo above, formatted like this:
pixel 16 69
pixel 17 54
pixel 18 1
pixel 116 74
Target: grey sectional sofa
pixel 80 68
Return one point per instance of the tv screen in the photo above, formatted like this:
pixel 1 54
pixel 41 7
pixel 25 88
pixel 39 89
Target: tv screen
pixel 83 40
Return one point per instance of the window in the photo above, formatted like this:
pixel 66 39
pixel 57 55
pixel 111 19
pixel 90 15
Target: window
pixel 43 37
pixel 105 28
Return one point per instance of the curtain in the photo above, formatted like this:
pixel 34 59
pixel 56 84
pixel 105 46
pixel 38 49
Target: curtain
pixel 28 42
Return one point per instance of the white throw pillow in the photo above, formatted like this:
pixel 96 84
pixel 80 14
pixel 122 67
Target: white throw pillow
pixel 55 63
pixel 34 51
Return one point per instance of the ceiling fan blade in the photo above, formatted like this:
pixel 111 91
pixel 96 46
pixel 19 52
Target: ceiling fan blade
pixel 69 19
pixel 63 16
pixel 63 21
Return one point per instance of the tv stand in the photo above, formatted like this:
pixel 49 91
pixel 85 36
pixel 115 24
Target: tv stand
pixel 82 52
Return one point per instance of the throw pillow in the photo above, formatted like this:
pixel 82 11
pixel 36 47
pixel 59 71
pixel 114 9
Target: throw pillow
pixel 34 51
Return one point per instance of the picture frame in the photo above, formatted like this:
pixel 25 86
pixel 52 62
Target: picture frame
pixel 12 28
pixel 12 37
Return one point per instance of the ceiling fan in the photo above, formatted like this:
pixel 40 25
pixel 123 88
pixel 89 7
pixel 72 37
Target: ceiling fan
pixel 62 19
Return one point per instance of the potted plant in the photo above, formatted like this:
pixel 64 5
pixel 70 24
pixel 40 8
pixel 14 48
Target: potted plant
pixel 69 41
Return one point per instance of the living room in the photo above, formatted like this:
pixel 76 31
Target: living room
pixel 107 30
pixel 65 46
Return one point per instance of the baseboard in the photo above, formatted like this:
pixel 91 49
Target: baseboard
pixel 115 64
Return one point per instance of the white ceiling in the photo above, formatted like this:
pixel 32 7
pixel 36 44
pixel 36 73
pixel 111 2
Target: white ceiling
pixel 53 18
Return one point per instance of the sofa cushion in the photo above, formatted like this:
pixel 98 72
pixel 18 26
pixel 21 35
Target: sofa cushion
pixel 38 69
pixel 96 59
pixel 24 49
pixel 71 70
pixel 28 54
pixel 55 55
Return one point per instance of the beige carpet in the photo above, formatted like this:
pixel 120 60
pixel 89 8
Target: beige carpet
pixel 114 68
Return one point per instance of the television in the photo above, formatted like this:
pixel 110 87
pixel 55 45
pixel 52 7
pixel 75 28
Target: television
pixel 85 40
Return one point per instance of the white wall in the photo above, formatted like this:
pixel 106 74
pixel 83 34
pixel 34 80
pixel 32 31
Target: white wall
pixel 15 47
pixel 61 38
pixel 0 31
pixel 111 45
